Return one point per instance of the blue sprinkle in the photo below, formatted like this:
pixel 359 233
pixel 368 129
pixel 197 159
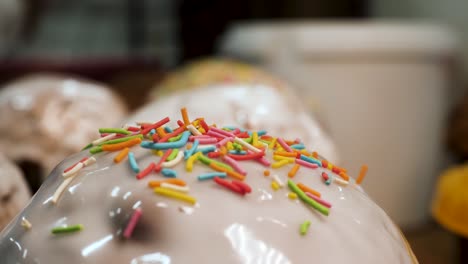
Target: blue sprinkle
pixel 310 160
pixel 152 132
pixel 206 149
pixel 133 163
pixel 211 175
pixel 168 129
pixel 327 182
pixel 238 152
pixel 261 133
pixel 234 128
pixel 298 146
pixel 167 145
pixel 169 173
pixel 189 152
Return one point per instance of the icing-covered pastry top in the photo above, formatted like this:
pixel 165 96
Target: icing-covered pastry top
pixel 200 193
pixel 47 117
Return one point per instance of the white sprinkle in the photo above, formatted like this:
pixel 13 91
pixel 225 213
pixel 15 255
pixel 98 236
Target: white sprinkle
pixel 194 130
pixel 175 187
pixel 74 170
pixel 247 145
pixel 102 139
pixel 61 189
pixel 89 161
pixel 25 223
pixel 278 180
pixel 340 181
pixel 175 161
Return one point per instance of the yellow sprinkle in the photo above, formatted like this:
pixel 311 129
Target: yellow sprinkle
pixel 229 145
pixel 272 143
pixel 202 130
pixel 158 152
pixel 191 160
pixel 279 158
pixel 280 163
pixel 255 139
pixel 274 185
pixel 330 166
pixel 292 196
pixel 175 195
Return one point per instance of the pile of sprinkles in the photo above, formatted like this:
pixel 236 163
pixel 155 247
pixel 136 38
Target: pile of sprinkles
pixel 221 149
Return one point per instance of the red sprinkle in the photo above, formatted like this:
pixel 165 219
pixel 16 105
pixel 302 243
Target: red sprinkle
pixel 325 176
pixel 336 170
pixel 146 171
pixel 229 185
pixel 147 129
pixel 180 123
pixel 133 129
pixel 204 125
pixel 252 155
pixel 243 135
pixel 244 186
pixel 163 158
pixel 72 166
pixel 324 163
pixel 173 134
pixel 155 137
pixel 214 155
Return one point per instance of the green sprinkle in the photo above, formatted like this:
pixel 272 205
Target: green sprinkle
pixel 248 140
pixel 207 161
pixel 95 150
pixel 237 146
pixel 176 138
pixel 322 209
pixel 120 140
pixel 67 229
pixel 115 130
pixel 173 154
pixel 88 146
pixel 304 227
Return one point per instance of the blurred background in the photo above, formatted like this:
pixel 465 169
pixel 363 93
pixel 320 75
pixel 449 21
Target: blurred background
pixel 387 79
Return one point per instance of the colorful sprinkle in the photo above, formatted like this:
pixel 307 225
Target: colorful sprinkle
pixel 293 171
pixel 305 189
pixel 154 184
pixel 211 175
pixel 122 154
pixel 266 173
pixel 175 187
pixel 114 130
pixel 292 196
pixel 304 228
pixel 319 200
pixel 66 229
pixel 306 199
pixel 175 195
pixel 133 163
pixel 146 171
pixel 275 186
pixel 122 145
pixel 284 145
pixel 228 185
pixel 362 174
pixel 168 145
pixel 169 173
pixel 136 215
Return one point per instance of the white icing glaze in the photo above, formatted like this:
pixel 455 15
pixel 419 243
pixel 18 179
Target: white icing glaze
pixel 41 110
pixel 223 227
pixel 253 107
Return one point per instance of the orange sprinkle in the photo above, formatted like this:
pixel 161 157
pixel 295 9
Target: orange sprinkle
pixel 230 173
pixel 266 173
pixel 223 150
pixel 341 169
pixel 315 154
pixel 160 131
pixel 122 154
pixel 293 171
pixel 185 116
pixel 344 176
pixel 308 189
pixel 122 145
pixel 362 174
pixel 188 146
pixel 285 154
pixel 154 184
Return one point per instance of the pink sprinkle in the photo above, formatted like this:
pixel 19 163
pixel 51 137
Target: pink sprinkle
pixel 284 145
pixel 236 131
pixel 215 134
pixel 264 161
pixel 132 223
pixel 222 132
pixel 210 140
pixel 192 138
pixel 306 164
pixel 223 142
pixel 319 200
pixel 234 164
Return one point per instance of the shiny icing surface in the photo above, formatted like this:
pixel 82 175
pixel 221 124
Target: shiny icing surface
pixel 255 107
pixel 222 227
pixel 14 194
pixel 40 109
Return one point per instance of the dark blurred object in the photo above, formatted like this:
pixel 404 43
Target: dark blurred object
pixel 202 22
pixel 458 130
